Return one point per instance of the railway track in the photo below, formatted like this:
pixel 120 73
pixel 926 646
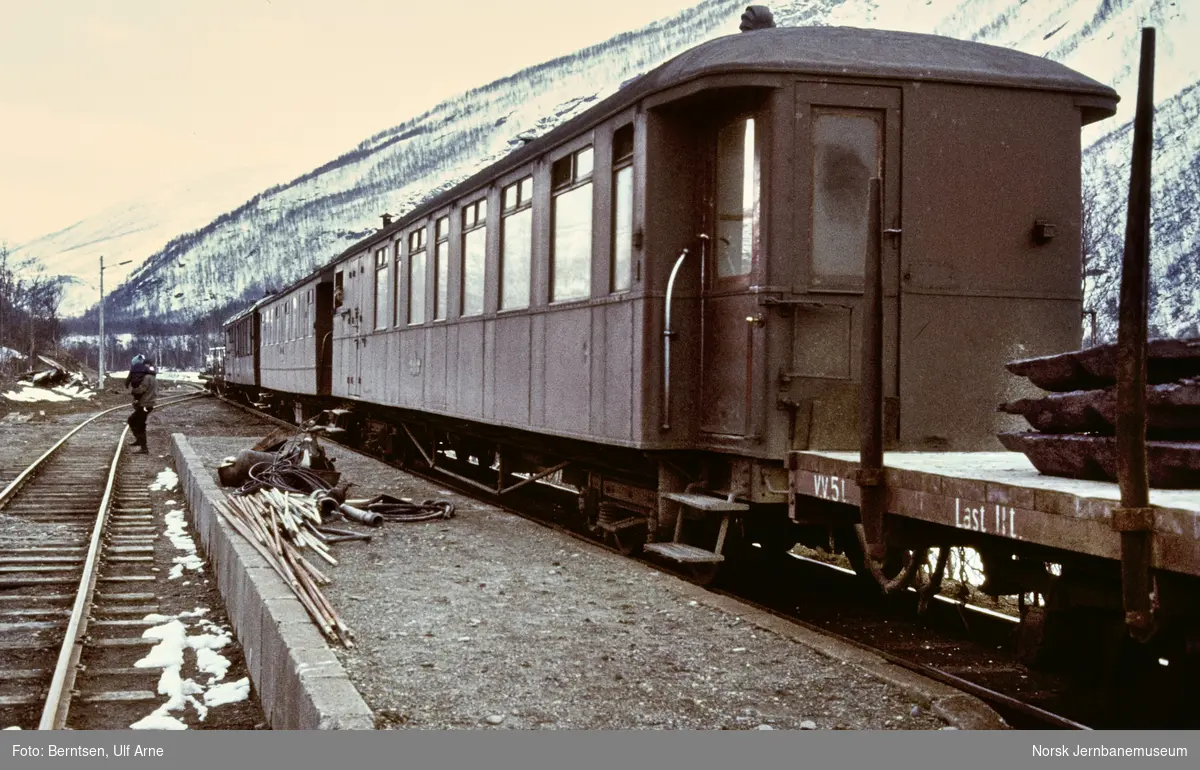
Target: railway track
pixel 75 585
pixel 980 668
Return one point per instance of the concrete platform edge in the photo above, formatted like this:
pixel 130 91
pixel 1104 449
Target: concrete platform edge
pixel 300 681
pixel 960 710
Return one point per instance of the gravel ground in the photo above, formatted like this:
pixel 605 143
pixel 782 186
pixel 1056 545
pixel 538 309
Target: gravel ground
pixel 489 620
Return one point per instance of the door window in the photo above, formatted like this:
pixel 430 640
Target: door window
pixel 737 198
pixel 846 154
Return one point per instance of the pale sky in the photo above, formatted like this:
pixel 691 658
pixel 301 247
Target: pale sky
pixel 103 100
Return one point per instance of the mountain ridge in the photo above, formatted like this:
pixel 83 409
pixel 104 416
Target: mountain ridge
pixel 286 230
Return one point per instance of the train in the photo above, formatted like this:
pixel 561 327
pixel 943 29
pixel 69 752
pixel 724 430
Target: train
pixel 661 302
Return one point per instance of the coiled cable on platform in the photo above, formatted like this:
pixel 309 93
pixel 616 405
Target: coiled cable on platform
pixel 285 475
pixel 402 511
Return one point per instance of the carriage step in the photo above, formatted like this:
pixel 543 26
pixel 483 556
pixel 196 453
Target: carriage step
pixel 705 502
pixel 684 554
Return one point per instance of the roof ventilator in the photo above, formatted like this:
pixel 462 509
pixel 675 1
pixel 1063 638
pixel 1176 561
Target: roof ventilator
pixel 756 17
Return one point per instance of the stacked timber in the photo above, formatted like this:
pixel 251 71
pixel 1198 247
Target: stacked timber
pixel 1075 424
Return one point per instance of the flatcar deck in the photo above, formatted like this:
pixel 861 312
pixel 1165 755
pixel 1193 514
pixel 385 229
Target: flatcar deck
pixel 1001 494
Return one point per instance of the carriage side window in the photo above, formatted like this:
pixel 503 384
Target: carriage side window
pixel 308 314
pixel 516 236
pixel 474 247
pixel 622 208
pixel 287 321
pixel 737 198
pixel 397 315
pixel 441 268
pixel 381 287
pixel 846 154
pixel 339 290
pixel 416 276
pixel 571 245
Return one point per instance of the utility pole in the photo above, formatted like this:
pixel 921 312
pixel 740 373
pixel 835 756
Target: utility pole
pixel 100 361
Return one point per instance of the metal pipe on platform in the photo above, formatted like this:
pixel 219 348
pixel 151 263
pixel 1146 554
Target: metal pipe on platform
pixel 1135 518
pixel 870 473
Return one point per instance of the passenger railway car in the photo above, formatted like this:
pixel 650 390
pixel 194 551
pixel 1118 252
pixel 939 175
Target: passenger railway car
pixel 663 297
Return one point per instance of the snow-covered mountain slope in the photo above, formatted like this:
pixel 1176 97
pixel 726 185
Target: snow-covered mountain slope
pixel 285 231
pixel 134 230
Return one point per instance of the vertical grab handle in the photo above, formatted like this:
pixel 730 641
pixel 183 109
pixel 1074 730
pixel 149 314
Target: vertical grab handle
pixel 669 333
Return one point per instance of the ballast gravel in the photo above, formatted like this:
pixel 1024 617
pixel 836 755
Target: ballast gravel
pixel 487 620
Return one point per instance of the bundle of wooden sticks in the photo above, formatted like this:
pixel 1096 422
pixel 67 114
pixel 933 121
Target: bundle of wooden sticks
pixel 281 526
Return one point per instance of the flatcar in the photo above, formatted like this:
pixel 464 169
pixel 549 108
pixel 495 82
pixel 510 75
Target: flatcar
pixel 661 301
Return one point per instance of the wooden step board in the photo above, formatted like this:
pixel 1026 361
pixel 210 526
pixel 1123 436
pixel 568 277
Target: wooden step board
pixel 684 554
pixel 706 502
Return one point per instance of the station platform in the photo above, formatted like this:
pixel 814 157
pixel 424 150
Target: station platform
pixel 491 621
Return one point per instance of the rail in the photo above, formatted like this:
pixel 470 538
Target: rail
pixel 26 474
pixel 58 701
pixel 57 704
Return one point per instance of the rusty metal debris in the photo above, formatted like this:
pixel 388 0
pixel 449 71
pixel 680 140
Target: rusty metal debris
pixel 295 464
pixel 389 508
pixel 55 376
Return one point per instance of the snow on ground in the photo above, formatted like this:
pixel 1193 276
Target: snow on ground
pixel 180 377
pixel 163 375
pixel 29 393
pixel 178 535
pixel 171 654
pixel 167 480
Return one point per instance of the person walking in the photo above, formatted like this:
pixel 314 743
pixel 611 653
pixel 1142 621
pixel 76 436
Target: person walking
pixel 143 386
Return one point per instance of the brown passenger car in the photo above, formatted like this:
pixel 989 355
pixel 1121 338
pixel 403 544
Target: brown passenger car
pixel 666 292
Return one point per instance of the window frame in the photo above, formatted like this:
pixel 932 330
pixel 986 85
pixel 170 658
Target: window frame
pixel 523 183
pixel 575 182
pixel 621 163
pixel 398 282
pixel 379 320
pixel 441 283
pixel 417 249
pixel 716 280
pixel 844 283
pixel 475 213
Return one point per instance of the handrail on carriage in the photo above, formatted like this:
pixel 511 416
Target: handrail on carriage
pixel 668 332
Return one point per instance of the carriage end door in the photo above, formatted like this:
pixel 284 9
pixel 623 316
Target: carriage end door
pixel 845 135
pixel 731 335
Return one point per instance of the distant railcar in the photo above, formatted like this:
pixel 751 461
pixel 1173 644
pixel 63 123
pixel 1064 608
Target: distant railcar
pixel 662 299
pixel 242 350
